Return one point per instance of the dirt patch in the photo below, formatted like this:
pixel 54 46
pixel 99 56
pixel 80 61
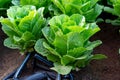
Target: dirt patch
pixel 9 59
pixel 108 69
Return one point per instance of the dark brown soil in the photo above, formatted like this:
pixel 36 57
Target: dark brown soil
pixel 107 69
pixel 9 59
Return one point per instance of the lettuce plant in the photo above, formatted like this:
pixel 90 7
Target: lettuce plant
pixel 114 10
pixel 23 27
pixel 89 8
pixel 67 43
pixel 37 3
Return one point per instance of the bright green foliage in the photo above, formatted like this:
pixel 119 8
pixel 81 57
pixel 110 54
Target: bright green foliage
pixel 115 11
pixel 89 8
pixel 67 43
pixel 37 3
pixel 23 27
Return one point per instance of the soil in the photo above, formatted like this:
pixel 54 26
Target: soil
pixel 9 59
pixel 107 69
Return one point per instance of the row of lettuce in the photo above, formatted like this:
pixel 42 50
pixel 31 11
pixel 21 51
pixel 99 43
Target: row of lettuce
pixel 59 30
pixel 69 7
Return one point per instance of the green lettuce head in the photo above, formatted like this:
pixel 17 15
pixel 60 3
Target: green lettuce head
pixel 23 27
pixel 89 8
pixel 67 43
